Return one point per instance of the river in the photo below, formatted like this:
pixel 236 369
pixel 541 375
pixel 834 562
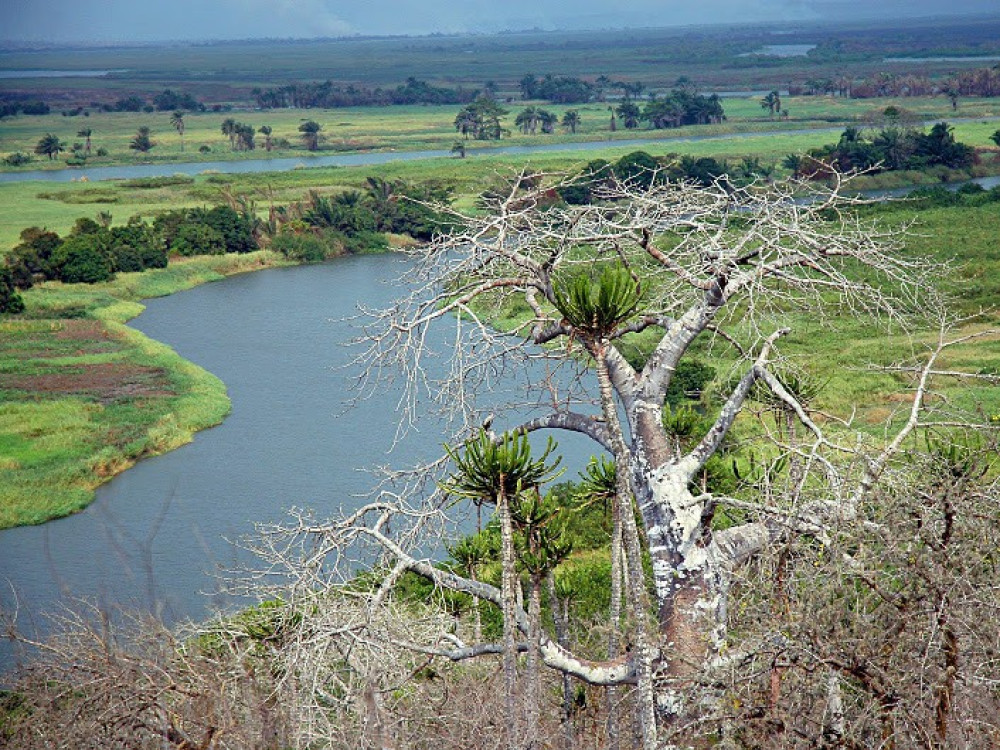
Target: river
pixel 132 171
pixel 155 535
pixel 372 158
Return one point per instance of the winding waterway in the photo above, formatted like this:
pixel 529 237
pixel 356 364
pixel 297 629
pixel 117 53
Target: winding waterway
pixel 132 171
pixel 156 534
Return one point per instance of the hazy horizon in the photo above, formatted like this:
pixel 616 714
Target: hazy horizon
pixel 118 21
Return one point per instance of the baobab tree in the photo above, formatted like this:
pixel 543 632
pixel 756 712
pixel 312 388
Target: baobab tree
pixel 679 264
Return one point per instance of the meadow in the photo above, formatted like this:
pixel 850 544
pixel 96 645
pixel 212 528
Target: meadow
pixel 426 127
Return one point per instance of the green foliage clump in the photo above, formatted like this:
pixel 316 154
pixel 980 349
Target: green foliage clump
pixel 17 159
pixel 10 299
pixel 198 239
pixel 305 247
pixel 81 259
pixel 149 183
pixel 599 306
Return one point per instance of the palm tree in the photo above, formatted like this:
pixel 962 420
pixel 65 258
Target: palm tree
pixel 629 113
pixel 547 120
pixel 85 133
pixel 177 120
pixel 527 120
pixel 49 145
pixel 771 102
pixel 571 120
pixel 229 129
pixel 265 130
pixel 500 472
pixel 310 134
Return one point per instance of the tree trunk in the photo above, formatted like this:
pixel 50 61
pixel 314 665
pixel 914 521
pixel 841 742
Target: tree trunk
pixel 644 649
pixel 560 616
pixel 614 636
pixel 508 593
pixel 534 688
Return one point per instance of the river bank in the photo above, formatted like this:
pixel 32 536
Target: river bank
pixel 84 396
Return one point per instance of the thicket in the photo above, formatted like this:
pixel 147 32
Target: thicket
pixel 93 252
pixel 311 230
pixel 890 148
pixel 307 95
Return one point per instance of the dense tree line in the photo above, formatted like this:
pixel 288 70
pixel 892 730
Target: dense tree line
pixel 682 107
pixel 977 82
pixel 327 94
pixel 316 228
pixel 10 106
pixel 94 251
pixel 557 89
pixel 890 148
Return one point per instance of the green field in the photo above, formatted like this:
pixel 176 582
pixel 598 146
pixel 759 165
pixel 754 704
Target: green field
pixel 413 128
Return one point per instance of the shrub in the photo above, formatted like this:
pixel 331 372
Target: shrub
pixel 10 300
pixel 82 260
pixel 198 239
pixel 17 159
pixel 126 258
pixel 306 247
pixel 365 242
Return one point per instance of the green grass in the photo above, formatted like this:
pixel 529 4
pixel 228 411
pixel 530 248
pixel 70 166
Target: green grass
pixel 82 396
pixel 410 128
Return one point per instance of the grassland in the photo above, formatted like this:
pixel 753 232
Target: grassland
pixel 83 396
pixel 748 132
pixel 414 128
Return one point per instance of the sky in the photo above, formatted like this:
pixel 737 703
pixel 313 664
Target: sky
pixel 159 20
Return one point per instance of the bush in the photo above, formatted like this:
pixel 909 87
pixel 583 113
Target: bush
pixel 198 239
pixel 126 258
pixel 82 260
pixel 236 229
pixel 31 259
pixel 17 159
pixel 306 247
pixel 365 242
pixel 10 300
pixel 35 108
pixel 149 183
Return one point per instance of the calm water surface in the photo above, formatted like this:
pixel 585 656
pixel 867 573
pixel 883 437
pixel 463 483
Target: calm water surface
pixel 155 535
